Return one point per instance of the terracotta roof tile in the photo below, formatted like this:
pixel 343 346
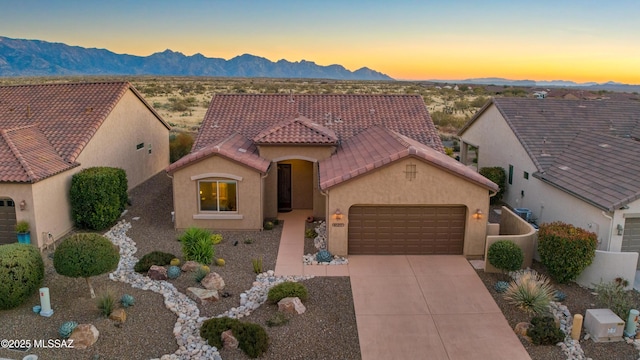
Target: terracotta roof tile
pixel 345 115
pixel 235 147
pixel 298 131
pixel 376 147
pixel 66 116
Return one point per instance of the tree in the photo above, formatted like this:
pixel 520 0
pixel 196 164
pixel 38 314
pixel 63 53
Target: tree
pixel 179 146
pixel 86 255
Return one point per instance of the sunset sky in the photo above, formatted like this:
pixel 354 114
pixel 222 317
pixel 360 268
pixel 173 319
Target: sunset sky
pixel 407 40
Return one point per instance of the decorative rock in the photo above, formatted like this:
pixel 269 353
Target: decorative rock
pixel 190 266
pixel 157 273
pixel 118 315
pixel 213 281
pixel 291 305
pixel 228 340
pixel 84 336
pixel 203 295
pixel 522 328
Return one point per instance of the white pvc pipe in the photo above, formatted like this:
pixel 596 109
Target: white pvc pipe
pixel 45 302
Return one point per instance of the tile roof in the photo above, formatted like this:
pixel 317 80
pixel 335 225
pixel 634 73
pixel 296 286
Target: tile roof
pixel 600 169
pixel 63 116
pixel 298 131
pixel 235 147
pixel 376 147
pixel 563 139
pixel 346 115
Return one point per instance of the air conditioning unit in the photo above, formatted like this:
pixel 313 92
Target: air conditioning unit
pixel 523 213
pixel 603 325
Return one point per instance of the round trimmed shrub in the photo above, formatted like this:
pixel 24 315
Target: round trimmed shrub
pixel 252 338
pixel 21 274
pixel 98 197
pixel 566 250
pixel 287 289
pixel 212 329
pixel 544 331
pixel 153 258
pixel 86 255
pixel 505 255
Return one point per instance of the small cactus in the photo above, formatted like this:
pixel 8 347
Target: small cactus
pixel 216 239
pixel 205 268
pixel 268 225
pixel 559 295
pixel 324 256
pixel 200 274
pixel 173 272
pixel 127 300
pixel 67 328
pixel 175 262
pixel 220 262
pixel 501 286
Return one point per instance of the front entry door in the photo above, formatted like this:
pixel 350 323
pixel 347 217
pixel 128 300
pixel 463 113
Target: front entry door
pixel 284 187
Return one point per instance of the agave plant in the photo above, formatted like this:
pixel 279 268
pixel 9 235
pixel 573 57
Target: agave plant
pixel 531 292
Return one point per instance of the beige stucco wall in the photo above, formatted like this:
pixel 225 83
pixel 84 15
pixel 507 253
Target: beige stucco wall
pixel 513 228
pixel 607 266
pixel 186 195
pixel 301 183
pixel 114 144
pixel 389 186
pixel 498 146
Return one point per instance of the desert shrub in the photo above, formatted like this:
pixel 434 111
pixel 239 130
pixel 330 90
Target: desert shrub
pixel 197 246
pixel 158 258
pixel 106 302
pixel 257 265
pixel 86 255
pixel 268 225
pixel 287 289
pixel 499 177
pixel 544 331
pixel 98 197
pixel 310 233
pixel 21 274
pixel 278 319
pixel 612 295
pixel 216 239
pixel 179 146
pixel 252 338
pixel 505 255
pixel 531 292
pixel 565 250
pixel 212 329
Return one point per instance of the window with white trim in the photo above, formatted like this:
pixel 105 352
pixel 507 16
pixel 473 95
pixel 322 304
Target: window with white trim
pixel 218 195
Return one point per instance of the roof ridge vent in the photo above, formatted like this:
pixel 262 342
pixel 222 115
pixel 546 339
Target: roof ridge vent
pixel 563 167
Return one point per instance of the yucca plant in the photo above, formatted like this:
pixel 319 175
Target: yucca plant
pixel 531 292
pixel 257 265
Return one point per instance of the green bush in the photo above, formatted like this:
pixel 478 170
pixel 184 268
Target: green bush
pixel 268 225
pixel 544 331
pixel 21 274
pixel 197 246
pixel 612 295
pixel 153 258
pixel 252 338
pixel 531 292
pixel 179 146
pixel 98 197
pixel 86 255
pixel 287 289
pixel 505 255
pixel 106 302
pixel 310 233
pixel 499 177
pixel 565 250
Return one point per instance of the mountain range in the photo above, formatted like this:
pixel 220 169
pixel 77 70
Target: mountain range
pixel 19 57
pixel 609 86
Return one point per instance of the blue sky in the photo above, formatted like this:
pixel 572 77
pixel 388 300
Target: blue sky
pixel 540 40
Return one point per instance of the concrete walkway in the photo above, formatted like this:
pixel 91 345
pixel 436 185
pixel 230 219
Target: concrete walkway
pixel 412 307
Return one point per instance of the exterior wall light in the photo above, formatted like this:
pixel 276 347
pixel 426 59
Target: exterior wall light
pixel 23 205
pixel 478 214
pixel 620 229
pixel 338 215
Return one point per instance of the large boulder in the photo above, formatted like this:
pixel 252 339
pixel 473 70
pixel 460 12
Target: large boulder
pixel 228 340
pixel 84 335
pixel 157 272
pixel 213 281
pixel 291 305
pixel 203 295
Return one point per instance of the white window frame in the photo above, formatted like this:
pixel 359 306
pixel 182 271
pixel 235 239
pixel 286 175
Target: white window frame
pixel 217 182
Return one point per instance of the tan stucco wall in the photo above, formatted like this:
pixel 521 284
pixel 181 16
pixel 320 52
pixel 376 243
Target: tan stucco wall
pixel 513 228
pixel 389 186
pixel 186 198
pixel 498 146
pixel 310 153
pixel 301 183
pixel 607 266
pixel 114 144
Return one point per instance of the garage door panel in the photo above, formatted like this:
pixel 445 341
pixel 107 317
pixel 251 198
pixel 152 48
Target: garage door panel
pixel 631 236
pixel 406 229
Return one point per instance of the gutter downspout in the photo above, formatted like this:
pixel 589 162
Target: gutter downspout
pixel 610 230
pixel 262 177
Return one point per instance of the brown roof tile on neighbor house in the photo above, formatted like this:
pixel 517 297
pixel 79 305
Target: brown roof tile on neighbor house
pixel 345 115
pixel 66 115
pixel 376 147
pixel 298 131
pixel 598 168
pixel 236 147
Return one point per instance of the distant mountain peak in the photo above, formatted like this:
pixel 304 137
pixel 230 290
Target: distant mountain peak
pixel 19 57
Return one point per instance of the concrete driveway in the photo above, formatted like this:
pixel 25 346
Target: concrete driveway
pixel 412 307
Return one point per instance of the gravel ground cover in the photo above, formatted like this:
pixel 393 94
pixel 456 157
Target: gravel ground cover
pixel 327 330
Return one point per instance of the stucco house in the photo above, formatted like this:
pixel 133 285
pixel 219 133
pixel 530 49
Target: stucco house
pixel 372 165
pixel 50 132
pixel 574 161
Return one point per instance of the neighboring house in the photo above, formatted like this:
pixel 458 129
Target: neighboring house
pixel 372 165
pixel 566 160
pixel 50 132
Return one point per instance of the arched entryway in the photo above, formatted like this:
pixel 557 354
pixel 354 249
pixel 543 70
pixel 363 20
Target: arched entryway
pixel 7 221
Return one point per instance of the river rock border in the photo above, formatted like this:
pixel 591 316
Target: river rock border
pixel 320 242
pixel 187 327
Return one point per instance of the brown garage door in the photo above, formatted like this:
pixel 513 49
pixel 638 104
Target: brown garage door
pixel 7 221
pixel 631 236
pixel 387 230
